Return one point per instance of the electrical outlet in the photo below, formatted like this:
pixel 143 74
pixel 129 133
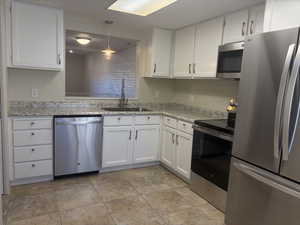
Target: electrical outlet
pixel 191 98
pixel 34 93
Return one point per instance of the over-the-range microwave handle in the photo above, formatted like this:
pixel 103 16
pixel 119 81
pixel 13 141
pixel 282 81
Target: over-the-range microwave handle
pixel 267 179
pixel 280 99
pixel 288 107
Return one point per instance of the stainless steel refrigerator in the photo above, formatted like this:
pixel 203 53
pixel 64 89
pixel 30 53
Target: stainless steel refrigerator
pixel 264 187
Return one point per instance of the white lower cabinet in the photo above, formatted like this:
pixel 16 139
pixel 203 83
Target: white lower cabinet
pixel 117 146
pixel 176 150
pixel 131 142
pixel 168 143
pixel 183 153
pixel 31 150
pixel 146 144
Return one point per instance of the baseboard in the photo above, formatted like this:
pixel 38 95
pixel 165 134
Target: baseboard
pixel 135 166
pixel 31 180
pixel 175 173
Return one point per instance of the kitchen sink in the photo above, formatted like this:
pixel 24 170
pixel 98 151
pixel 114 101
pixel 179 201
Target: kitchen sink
pixel 129 109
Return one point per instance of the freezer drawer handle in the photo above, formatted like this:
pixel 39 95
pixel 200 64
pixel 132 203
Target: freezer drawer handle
pixel 286 148
pixel 266 179
pixel 280 99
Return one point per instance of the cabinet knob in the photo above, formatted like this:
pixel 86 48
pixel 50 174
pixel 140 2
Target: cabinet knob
pixel 183 124
pixel 32 149
pixel 148 117
pixel 78 164
pixel 119 118
pixel 33 165
pixel 32 123
pixel 32 134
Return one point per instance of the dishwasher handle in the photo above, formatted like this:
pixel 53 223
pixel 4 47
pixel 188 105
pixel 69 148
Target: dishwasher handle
pixel 79 122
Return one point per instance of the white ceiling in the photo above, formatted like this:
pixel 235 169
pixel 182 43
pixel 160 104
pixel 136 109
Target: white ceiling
pixel 179 14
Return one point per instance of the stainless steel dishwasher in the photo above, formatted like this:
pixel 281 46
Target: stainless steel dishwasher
pixel 77 144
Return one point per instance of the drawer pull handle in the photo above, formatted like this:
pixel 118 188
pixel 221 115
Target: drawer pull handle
pixel 32 123
pixel 33 150
pixel 148 117
pixel 183 124
pixel 32 134
pixel 33 165
pixel 119 118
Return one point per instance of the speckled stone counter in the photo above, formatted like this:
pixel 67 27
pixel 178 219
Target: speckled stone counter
pixel 182 112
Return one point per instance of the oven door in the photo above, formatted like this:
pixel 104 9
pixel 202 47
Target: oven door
pixel 230 60
pixel 211 156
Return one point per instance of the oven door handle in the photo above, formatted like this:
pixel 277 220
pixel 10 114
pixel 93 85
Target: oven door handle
pixel 214 133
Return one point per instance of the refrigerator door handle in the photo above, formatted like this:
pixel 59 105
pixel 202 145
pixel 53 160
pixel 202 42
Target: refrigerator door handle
pixel 267 179
pixel 280 100
pixel 288 107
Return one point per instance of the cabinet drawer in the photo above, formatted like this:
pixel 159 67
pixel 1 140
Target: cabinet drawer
pixel 32 137
pixel 171 122
pixel 25 154
pixel 185 127
pixel 118 120
pixel 33 169
pixel 25 124
pixel 147 119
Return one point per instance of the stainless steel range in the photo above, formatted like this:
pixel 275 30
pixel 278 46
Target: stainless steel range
pixel 212 145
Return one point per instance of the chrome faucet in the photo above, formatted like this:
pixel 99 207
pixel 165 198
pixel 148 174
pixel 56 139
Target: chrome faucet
pixel 123 100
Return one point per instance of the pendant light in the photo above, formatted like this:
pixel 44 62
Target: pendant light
pixel 108 51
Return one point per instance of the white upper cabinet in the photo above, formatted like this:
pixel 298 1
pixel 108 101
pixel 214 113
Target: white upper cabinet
pixel 236 26
pixel 281 14
pixel 256 19
pixel 36 37
pixel 161 53
pixel 184 52
pixel 146 145
pixel 208 39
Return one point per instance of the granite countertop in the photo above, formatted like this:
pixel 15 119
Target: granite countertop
pixel 181 112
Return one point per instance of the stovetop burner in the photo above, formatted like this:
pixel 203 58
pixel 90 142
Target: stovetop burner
pixel 220 125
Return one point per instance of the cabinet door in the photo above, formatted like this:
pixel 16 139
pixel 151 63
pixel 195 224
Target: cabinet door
pixel 168 146
pixel 146 144
pixel 184 52
pixel 161 52
pixel 281 14
pixel 208 39
pixel 37 35
pixel 183 157
pixel 117 146
pixel 256 19
pixel 236 25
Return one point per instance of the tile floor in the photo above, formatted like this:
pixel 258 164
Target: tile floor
pixel 146 196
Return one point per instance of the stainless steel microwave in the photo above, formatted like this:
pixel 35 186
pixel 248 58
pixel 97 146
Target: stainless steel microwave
pixel 230 60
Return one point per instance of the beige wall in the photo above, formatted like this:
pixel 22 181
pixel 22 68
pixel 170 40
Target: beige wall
pixel 211 94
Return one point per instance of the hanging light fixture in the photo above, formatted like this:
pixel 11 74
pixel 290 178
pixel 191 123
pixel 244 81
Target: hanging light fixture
pixel 83 40
pixel 108 51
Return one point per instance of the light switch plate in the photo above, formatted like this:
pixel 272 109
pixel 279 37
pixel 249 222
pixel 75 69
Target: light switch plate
pixel 34 93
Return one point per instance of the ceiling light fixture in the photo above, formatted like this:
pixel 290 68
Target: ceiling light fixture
pixel 83 40
pixel 140 7
pixel 108 51
pixel 71 51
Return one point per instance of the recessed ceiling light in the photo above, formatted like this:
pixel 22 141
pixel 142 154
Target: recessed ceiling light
pixel 83 40
pixel 140 7
pixel 71 51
